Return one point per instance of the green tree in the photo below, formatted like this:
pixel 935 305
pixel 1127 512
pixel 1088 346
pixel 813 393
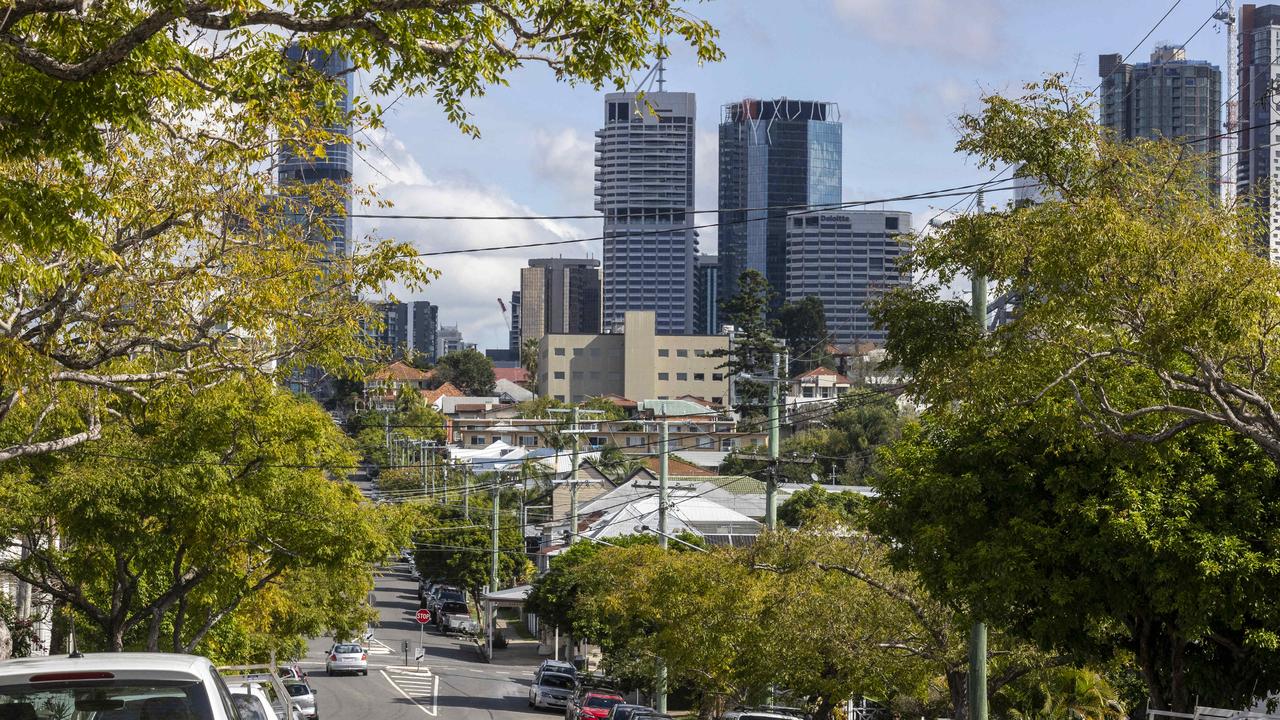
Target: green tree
pixel 803 325
pixel 171 523
pixel 603 409
pixel 753 342
pixel 139 144
pixel 816 504
pixel 1145 301
pixel 530 350
pixel 414 418
pixel 538 408
pixel 455 547
pixel 1101 549
pixel 469 370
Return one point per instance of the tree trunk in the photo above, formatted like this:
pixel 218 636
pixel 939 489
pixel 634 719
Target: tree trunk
pixel 6 641
pixel 958 687
pixel 1178 694
pixel 1145 656
pixel 826 706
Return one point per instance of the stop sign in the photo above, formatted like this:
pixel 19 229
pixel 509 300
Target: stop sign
pixel 423 616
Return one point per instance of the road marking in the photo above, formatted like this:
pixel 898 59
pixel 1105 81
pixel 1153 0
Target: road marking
pixel 380 649
pixel 416 682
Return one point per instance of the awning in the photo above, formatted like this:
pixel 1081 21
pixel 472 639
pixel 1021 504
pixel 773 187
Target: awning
pixel 511 597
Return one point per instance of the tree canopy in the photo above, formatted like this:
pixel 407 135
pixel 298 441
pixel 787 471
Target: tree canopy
pixel 469 370
pixel 1143 299
pixel 195 510
pixel 1160 555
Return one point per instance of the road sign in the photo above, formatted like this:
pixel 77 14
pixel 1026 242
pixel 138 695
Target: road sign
pixel 422 652
pixel 423 616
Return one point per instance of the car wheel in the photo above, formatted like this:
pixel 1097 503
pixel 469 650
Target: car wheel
pixel 365 673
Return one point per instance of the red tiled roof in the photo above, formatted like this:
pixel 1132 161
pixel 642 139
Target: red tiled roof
pixel 515 374
pixel 621 401
pixel 399 372
pixel 445 390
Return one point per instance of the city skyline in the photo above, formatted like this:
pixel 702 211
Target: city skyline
pixel 537 152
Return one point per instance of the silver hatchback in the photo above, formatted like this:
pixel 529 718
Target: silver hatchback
pixel 304 697
pixel 347 658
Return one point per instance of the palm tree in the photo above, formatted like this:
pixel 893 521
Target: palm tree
pixel 529 350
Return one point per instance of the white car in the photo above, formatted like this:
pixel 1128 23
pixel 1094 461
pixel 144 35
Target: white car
pixel 154 685
pixel 551 689
pixel 347 658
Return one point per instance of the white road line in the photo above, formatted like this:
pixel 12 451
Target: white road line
pixel 435 690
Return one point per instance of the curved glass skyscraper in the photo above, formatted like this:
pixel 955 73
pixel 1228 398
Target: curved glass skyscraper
pixel 335 167
pixel 778 154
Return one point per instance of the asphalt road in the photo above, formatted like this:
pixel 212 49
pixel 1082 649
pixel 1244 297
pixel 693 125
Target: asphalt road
pixel 452 681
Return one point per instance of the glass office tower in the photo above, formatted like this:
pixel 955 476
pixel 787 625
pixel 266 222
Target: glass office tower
pixel 776 156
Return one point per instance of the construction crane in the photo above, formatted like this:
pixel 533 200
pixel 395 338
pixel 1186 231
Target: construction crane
pixel 1226 14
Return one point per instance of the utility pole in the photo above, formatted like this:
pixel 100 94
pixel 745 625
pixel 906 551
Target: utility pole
pixel 466 494
pixel 978 633
pixel 573 482
pixel 493 567
pixel 662 485
pixel 771 485
pixel 422 463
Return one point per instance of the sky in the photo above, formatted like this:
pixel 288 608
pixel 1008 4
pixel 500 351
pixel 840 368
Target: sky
pixel 901 72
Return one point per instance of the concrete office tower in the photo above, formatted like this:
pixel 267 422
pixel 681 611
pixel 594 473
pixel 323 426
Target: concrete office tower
pixel 1257 138
pixel 644 188
pixel 1170 97
pixel 335 166
pixel 847 259
pixel 426 328
pixel 773 153
pixel 559 295
pixel 706 283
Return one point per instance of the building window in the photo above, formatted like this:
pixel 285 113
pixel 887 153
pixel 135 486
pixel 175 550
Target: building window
pixel 718 400
pixel 559 374
pixel 682 376
pixel 699 377
pixel 664 376
pixel 577 352
pixel 717 377
pixel 477 440
pixel 560 352
pixel 528 440
pixel 664 353
pixel 682 353
pixel 560 398
pixel 891 223
pixel 699 353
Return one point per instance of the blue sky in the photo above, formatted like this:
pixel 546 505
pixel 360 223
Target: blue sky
pixel 900 70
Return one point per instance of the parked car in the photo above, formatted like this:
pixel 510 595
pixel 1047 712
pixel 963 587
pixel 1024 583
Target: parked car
pixel 650 715
pixel 157 685
pixel 592 705
pixel 768 712
pixel 347 658
pixel 551 689
pixel 455 617
pixel 253 701
pixel 304 697
pixel 439 596
pixel 293 672
pixel 559 666
pixel 624 711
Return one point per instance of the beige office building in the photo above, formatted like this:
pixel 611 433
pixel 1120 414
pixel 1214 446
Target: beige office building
pixel 638 364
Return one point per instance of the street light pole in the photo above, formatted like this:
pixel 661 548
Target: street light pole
pixel 493 567
pixel 573 482
pixel 662 485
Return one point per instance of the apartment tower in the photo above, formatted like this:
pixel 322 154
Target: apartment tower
pixel 644 188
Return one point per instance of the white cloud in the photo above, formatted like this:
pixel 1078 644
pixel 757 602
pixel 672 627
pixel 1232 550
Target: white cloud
pixel 566 158
pixel 963 31
pixel 469 284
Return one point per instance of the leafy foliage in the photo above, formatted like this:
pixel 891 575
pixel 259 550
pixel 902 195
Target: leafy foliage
pixel 455 547
pixel 753 342
pixel 803 325
pixel 1162 554
pixel 471 371
pixel 193 512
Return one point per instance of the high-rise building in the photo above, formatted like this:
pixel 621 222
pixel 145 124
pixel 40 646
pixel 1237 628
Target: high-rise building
pixel 513 333
pixel 426 328
pixel 450 340
pixel 334 168
pixel 1169 97
pixel 559 295
pixel 706 283
pixel 774 155
pixel 644 188
pixel 1257 167
pixel 394 333
pixel 847 259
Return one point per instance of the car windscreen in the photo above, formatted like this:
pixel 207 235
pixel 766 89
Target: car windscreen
pixel 452 595
pixel 459 608
pixel 297 689
pixel 348 649
pixel 601 702
pixel 552 680
pixel 106 700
